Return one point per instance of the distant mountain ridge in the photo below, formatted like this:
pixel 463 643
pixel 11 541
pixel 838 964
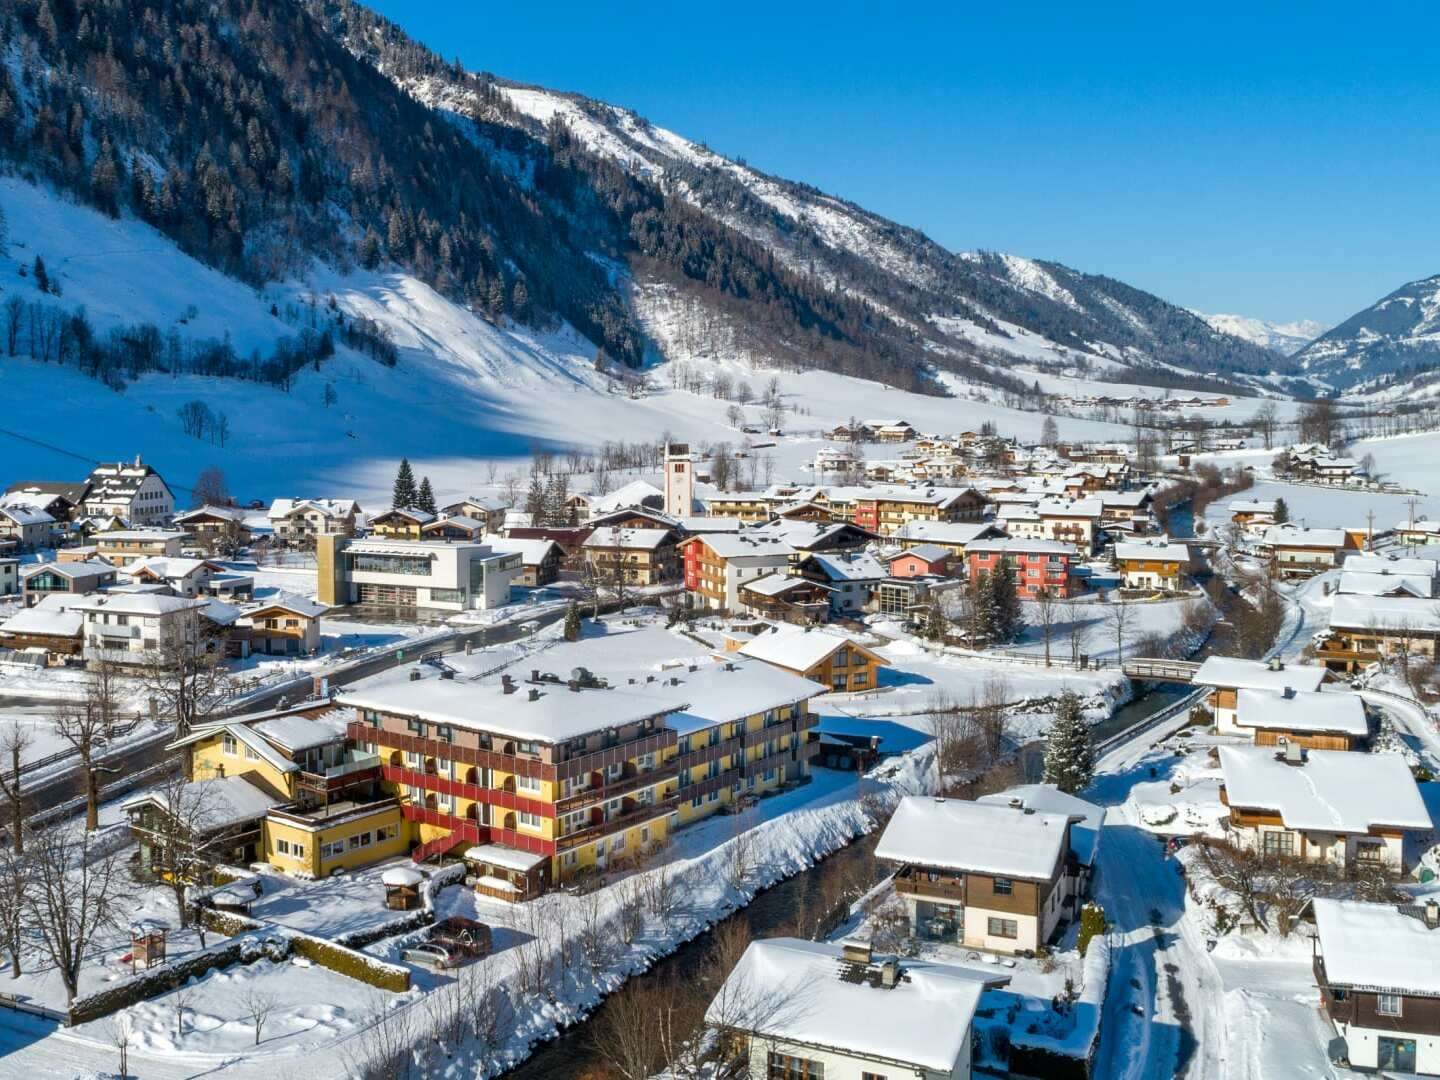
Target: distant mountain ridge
pixel 1398 335
pixel 1283 338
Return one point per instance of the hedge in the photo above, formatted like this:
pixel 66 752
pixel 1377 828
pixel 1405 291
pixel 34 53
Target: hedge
pixel 411 920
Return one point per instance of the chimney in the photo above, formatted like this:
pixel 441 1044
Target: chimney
pixel 534 694
pixel 1432 913
pixel 889 974
pixel 855 951
pixel 1294 753
pixel 415 675
pixel 447 673
pixel 507 684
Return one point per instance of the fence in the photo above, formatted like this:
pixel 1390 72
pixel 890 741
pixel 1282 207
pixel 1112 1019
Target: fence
pixel 1154 720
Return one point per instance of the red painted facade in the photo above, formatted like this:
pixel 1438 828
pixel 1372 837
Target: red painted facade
pixel 1032 570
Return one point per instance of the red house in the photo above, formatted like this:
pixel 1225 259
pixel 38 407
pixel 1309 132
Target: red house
pixel 922 560
pixel 1034 564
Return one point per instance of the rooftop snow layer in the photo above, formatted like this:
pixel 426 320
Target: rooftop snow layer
pixel 1331 791
pixel 978 837
pixel 795 649
pixel 1301 711
pixel 1048 799
pixel 1232 671
pixel 1377 946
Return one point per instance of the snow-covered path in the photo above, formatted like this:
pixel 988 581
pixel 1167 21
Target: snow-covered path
pixel 1162 1013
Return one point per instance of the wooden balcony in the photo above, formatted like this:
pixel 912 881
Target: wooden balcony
pixel 618 823
pixel 912 882
pixel 443 785
pixel 624 786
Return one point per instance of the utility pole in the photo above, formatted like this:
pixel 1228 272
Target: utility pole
pixel 1370 530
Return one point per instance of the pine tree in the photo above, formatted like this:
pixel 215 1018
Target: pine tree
pixel 1002 605
pixel 535 500
pixel 404 494
pixel 551 505
pixel 1282 512
pixel 42 276
pixel 1069 753
pixel 572 622
pixel 105 179
pixel 425 497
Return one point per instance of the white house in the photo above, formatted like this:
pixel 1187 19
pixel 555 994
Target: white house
pixel 413 573
pixel 1378 970
pixel 127 628
pixel 812 1010
pixel 297 520
pixel 130 490
pixel 30 526
pixel 1328 806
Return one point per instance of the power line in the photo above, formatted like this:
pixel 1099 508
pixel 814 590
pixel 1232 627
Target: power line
pixel 92 462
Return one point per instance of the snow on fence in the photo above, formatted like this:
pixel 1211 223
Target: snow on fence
pixel 338 958
pixel 412 920
pixel 1071 1054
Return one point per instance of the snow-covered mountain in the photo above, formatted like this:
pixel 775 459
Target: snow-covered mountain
pixel 987 316
pixel 1395 336
pixel 1283 338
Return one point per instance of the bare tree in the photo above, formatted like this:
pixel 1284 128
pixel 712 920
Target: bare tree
pixel 183 997
pixel 15 873
pixel 14 741
pixel 641 1029
pixel 1047 610
pixel 1077 632
pixel 85 725
pixel 1118 619
pixel 180 825
pixel 183 672
pixel 258 1005
pixel 1264 422
pixel 74 894
pixel 121 1030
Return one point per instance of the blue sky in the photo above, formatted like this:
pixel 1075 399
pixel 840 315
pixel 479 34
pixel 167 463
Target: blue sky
pixel 1282 165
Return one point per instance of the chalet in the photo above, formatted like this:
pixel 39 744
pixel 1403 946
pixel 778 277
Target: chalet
pixel 829 537
pixel 487 508
pixel 1152 564
pixel 1228 675
pixel 886 509
pixel 749 506
pixel 61 500
pixel 1364 629
pixel 29 526
pixel 130 490
pixel 718 564
pixel 806 1010
pixel 1129 511
pixel 1325 806
pixel 121 547
pixel 920 561
pixel 1034 564
pixel 831 659
pixel 540 559
pixel 1253 515
pixel 1417 572
pixel 890 431
pixel 48 625
pixel 184 577
pixel 982 875
pixel 1071 521
pixel 289 626
pixel 1378 970
pixel 1418 532
pixel 454 527
pixel 786 598
pixel 400 523
pixel 635 556
pixel 851 578
pixel 1333 721
pixel 70 579
pixel 219 529
pixel 953 535
pixel 637 493
pixel 300 521
pixel 226 822
pixel 1301 552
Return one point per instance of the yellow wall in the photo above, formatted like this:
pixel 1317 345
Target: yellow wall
pixel 209 756
pixel 312 864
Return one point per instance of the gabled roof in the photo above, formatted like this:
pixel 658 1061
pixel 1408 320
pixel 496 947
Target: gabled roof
pixel 947 532
pixel 1358 583
pixel 856 566
pixel 226 513
pixel 1294 536
pixel 982 838
pixel 119 482
pixel 138 603
pixel 405 513
pixel 931 553
pixel 1391 613
pixel 1145 550
pixel 296 605
pixel 23 514
pixel 337 508
pixel 800 650
pixel 170 567
pixel 612 536
pixel 72 492
pixel 45 622
pixel 635 493
pixel 1047 798
pixel 742 544
pixel 1331 791
pixel 774 584
pixel 71 570
pixel 1303 711
pixel 219 802
pixel 1233 672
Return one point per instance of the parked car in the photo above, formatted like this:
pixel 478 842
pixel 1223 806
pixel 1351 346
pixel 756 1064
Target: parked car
pixel 433 955
pixel 465 936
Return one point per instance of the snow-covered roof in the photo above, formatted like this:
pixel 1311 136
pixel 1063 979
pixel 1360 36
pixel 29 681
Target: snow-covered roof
pixel 407 513
pixel 805 535
pixel 458 521
pixel 851 566
pixel 634 493
pixel 44 622
pixel 1408 565
pixel 946 532
pixel 778 584
pixel 218 802
pixel 705 523
pixel 1330 791
pixel 1301 711
pixel 169 567
pixel 138 603
pixel 797 649
pixel 556 715
pixel 296 733
pixel 531 552
pixel 499 855
pixel 627 539
pixel 23 514
pixel 1357 583
pixel 144 536
pixel 930 553
pixel 1086 508
pixel 1398 613
pixel 335 508
pixel 227 513
pixel 746 543
pixel 1047 798
pixel 718 693
pixel 119 481
pixel 1296 537
pixel 1015 546
pixel 1378 946
pixel 982 838
pixel 401 877
pixel 806 992
pixel 1252 506
pixel 1237 673
pixel 1142 549
pixel 296 605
